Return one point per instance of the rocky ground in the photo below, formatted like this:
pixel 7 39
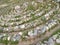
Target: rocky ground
pixel 28 22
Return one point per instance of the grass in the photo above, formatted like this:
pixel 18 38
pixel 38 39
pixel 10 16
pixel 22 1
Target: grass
pixel 57 44
pixel 5 41
pixel 1 30
pixel 14 42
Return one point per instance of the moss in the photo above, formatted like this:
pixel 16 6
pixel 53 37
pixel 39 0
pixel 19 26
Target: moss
pixel 5 41
pixel 14 42
pixel 17 16
pixel 43 18
pixel 30 7
pixel 25 33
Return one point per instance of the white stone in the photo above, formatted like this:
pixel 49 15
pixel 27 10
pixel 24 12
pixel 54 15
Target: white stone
pixel 49 25
pixel 47 16
pixel 54 37
pixel 37 28
pixel 33 2
pixel 49 4
pixel 55 23
pixel 57 0
pixel 32 33
pixel 22 26
pixel 16 27
pixel 25 16
pixel 7 29
pixel 4 34
pixel 11 23
pixel 43 29
pixel 51 42
pixel 17 7
pixel 25 4
pixel 40 13
pixel 58 40
pixel 52 24
pixel 20 33
pixel 14 39
pixel 40 1
pixel 37 10
pixel 3 5
pixel 8 38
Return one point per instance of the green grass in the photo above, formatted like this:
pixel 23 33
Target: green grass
pixel 14 42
